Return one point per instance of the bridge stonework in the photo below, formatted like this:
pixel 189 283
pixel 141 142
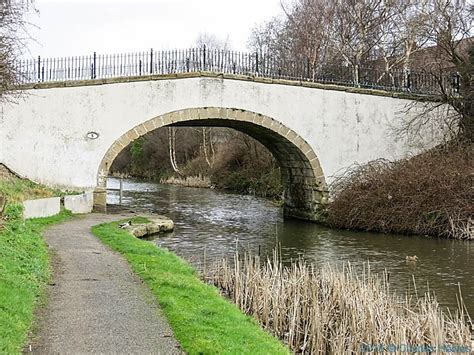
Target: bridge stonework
pixel 314 131
pixel 305 186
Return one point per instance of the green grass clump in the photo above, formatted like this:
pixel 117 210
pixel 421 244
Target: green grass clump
pixel 24 261
pixel 202 320
pixel 24 272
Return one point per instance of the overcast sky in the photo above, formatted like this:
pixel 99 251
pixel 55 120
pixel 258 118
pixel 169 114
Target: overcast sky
pixel 75 27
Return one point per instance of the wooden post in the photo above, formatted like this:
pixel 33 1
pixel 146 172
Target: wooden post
pixel 121 191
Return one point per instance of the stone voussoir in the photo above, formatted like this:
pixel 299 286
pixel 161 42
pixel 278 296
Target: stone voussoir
pixel 141 129
pixel 149 125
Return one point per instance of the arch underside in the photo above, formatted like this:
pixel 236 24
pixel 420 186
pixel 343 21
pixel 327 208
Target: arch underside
pixel 305 189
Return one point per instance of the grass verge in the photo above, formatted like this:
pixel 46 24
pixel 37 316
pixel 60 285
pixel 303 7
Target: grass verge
pixel 24 262
pixel 202 320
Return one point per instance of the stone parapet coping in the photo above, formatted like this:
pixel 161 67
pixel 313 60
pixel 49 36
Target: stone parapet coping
pixel 206 74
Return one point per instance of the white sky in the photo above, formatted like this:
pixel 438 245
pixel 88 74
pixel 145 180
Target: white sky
pixel 79 27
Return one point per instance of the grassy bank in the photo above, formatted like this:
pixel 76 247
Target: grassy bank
pixel 428 194
pixel 24 261
pixel 202 320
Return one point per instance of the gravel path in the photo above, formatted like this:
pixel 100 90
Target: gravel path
pixel 96 304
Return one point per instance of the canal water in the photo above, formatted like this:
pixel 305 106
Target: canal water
pixel 210 224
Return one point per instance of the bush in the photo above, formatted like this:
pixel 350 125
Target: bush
pixel 429 194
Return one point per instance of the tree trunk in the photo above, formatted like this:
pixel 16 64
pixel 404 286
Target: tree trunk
pixel 172 149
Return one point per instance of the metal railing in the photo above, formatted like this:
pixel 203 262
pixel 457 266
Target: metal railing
pixel 98 66
pixel 119 189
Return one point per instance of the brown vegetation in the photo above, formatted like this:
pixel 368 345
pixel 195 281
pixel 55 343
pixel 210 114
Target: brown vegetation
pixel 190 181
pixel 429 194
pixel 332 311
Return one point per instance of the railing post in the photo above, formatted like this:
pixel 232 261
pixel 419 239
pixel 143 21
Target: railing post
pixel 121 191
pixel 94 62
pixel 356 76
pixel 151 60
pixel 140 67
pixel 256 63
pixel 407 79
pixel 456 83
pixel 39 68
pixel 204 58
pixel 307 68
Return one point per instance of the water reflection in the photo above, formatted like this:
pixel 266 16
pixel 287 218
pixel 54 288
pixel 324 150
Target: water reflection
pixel 211 222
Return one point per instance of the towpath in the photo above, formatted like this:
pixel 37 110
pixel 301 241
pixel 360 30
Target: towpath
pixel 96 304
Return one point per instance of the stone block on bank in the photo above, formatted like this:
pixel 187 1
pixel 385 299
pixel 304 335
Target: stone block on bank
pixel 160 224
pixel 43 207
pixel 82 203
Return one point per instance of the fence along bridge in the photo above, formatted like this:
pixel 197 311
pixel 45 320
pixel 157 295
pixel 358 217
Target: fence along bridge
pixel 79 113
pixel 231 62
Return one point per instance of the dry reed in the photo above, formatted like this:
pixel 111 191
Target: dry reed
pixel 190 181
pixel 333 311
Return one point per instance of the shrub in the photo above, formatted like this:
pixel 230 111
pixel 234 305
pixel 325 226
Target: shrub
pixel 429 194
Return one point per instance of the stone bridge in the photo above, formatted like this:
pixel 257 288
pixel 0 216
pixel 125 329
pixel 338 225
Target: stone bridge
pixel 67 134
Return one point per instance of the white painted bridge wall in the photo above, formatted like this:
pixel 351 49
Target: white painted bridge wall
pixel 43 135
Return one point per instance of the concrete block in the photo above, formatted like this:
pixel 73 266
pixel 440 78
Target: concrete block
pixel 43 207
pixel 82 203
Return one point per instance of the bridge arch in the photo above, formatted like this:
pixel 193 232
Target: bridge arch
pixel 305 189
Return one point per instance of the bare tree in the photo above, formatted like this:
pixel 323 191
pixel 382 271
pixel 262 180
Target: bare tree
pixel 450 61
pixel 451 30
pixel 205 133
pixel 13 30
pixel 172 149
pixel 412 35
pixel 309 23
pixel 271 38
pixel 357 29
pixel 401 35
pixel 212 42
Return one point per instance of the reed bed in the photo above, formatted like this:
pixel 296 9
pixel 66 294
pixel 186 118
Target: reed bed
pixel 337 311
pixel 190 181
